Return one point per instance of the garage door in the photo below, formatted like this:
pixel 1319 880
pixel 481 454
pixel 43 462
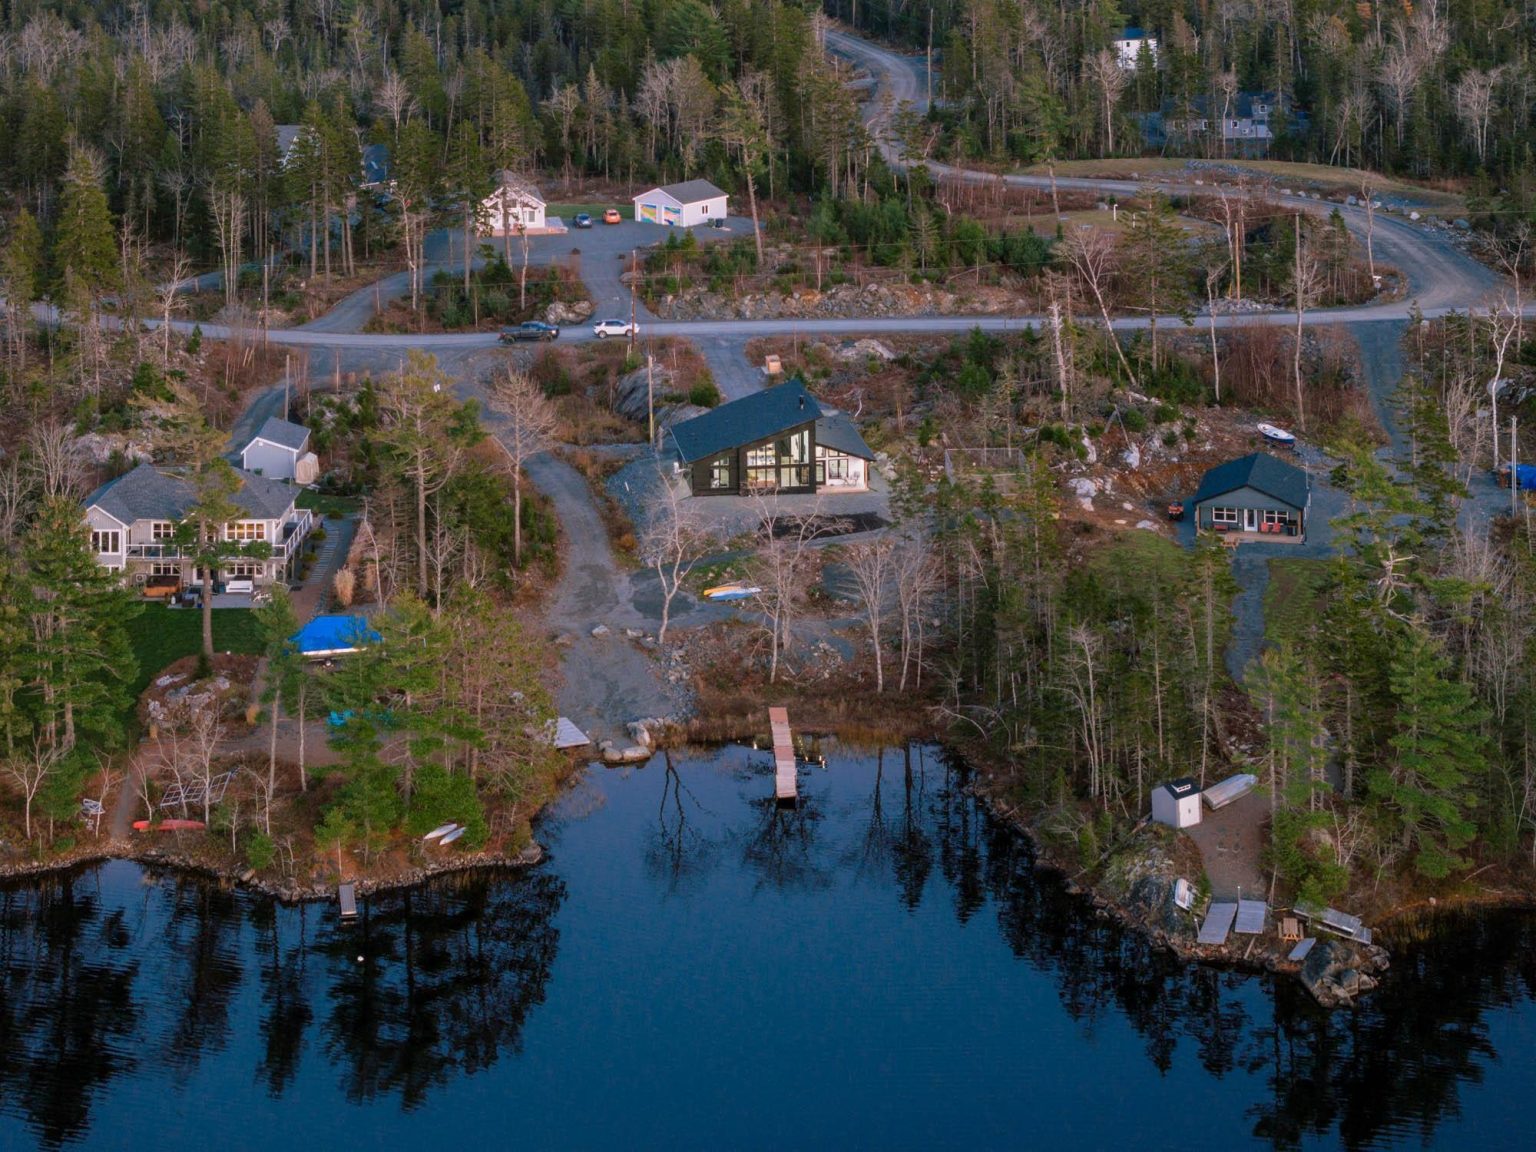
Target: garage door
pixel 648 213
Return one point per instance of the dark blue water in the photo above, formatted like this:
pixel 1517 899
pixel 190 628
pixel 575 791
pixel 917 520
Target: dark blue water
pixel 692 968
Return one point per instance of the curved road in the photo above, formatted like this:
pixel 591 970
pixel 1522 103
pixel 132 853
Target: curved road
pixel 1441 276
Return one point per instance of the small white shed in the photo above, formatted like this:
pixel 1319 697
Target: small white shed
pixel 1177 803
pixel 514 207
pixel 686 204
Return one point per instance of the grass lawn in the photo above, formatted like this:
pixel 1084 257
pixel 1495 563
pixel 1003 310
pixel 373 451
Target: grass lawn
pixel 566 211
pixel 161 636
pixel 1291 601
pixel 328 505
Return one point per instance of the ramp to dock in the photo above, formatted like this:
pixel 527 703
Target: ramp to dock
pixel 785 783
pixel 1250 917
pixel 1218 922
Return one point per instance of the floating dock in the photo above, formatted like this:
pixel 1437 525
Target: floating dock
pixel 786 779
pixel 1218 922
pixel 1250 917
pixel 346 894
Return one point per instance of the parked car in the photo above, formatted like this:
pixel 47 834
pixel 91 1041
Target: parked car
pixel 605 328
pixel 532 330
pixel 582 220
pixel 612 216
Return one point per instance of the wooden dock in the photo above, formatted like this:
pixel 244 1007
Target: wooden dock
pixel 1250 917
pixel 347 896
pixel 1218 922
pixel 786 782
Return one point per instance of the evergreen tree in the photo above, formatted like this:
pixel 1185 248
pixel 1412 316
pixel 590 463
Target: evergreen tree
pixel 1437 752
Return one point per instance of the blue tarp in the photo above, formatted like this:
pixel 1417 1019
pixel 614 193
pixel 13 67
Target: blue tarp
pixel 1525 476
pixel 333 635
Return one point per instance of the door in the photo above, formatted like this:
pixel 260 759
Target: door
pixel 1250 519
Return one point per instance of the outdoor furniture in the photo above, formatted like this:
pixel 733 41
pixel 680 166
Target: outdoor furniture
pixel 1290 929
pixel 1175 509
pixel 158 587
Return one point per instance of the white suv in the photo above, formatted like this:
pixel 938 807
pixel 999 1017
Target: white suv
pixel 615 328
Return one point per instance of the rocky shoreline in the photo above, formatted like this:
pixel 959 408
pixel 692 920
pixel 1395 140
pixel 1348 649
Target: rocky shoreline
pixel 1335 971
pixel 283 891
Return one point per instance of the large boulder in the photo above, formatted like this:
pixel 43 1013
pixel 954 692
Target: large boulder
pixel 630 398
pixel 568 312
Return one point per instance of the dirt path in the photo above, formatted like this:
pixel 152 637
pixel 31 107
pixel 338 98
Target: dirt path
pixel 1231 844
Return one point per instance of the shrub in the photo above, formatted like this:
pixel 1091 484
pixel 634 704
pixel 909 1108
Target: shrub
pixel 345 584
pixel 704 393
pixel 1134 420
pixel 259 851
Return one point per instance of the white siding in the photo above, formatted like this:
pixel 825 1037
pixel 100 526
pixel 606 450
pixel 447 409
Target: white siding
pixel 272 460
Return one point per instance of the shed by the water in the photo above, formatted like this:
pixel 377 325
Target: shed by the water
pixel 1177 803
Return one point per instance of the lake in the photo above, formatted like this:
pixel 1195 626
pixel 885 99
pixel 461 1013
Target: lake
pixel 692 967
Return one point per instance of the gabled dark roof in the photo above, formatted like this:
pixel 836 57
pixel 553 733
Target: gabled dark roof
pixel 839 434
pixel 690 191
pixel 1261 472
pixel 745 421
pixel 375 164
pixel 151 493
pixel 1182 787
pixel 283 433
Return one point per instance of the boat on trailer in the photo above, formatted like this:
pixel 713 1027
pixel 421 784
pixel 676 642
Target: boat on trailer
pixel 1277 435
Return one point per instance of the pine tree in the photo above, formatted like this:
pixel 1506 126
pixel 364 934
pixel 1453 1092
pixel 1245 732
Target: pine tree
pixel 1438 749
pixel 21 261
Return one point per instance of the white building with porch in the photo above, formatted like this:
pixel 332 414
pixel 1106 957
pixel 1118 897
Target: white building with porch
pixel 514 208
pixel 134 522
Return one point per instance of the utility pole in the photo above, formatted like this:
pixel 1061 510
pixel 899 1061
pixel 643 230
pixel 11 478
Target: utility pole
pixel 633 275
pixel 287 380
pixel 650 396
pixel 1514 476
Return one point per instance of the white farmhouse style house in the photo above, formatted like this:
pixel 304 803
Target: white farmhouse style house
pixel 280 451
pixel 133 522
pixel 514 207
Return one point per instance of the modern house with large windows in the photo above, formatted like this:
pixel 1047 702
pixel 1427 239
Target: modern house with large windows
pixel 134 522
pixel 1255 497
pixel 776 440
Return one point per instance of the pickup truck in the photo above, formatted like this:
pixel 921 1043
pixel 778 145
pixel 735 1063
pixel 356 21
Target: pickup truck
pixel 532 330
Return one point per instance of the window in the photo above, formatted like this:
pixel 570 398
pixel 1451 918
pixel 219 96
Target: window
pixel 1224 515
pixel 162 530
pixel 837 467
pixel 1271 517
pixel 106 542
pixel 241 571
pixel 720 472
pixel 165 569
pixel 247 530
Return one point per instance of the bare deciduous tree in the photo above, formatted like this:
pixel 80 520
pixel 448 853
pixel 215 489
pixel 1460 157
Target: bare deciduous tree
pixel 1095 254
pixel 873 564
pixel 527 427
pixel 1104 72
pixel 672 544
pixel 1306 286
pixel 1473 99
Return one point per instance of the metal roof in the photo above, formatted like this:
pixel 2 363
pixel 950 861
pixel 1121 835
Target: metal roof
pixel 688 192
pixel 1261 472
pixel 283 433
pixel 839 434
pixel 1183 786
pixel 152 493
pixel 745 421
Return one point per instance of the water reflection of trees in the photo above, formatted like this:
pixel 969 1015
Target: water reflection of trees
pixel 68 1008
pixel 447 977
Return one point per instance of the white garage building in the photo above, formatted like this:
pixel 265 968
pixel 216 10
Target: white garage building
pixel 686 204
pixel 280 451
